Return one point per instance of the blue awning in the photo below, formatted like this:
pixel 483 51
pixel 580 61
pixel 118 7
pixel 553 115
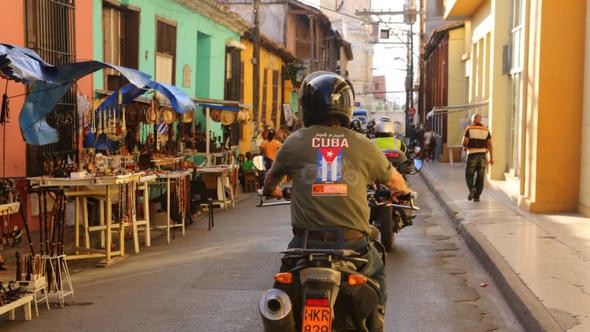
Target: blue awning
pixel 24 65
pixel 219 107
pixel 42 100
pixel 180 101
pixel 49 85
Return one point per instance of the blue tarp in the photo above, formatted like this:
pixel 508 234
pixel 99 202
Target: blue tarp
pixel 45 95
pixel 180 101
pixel 220 107
pixel 24 65
pixel 50 84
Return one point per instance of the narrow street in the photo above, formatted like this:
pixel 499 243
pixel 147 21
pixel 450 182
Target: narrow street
pixel 212 280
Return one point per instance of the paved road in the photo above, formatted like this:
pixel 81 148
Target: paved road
pixel 212 280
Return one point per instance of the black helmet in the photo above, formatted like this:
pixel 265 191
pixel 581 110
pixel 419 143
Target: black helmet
pixel 324 95
pixel 356 125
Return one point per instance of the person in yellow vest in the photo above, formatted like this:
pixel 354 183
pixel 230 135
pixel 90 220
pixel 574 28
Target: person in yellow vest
pixel 477 141
pixel 385 138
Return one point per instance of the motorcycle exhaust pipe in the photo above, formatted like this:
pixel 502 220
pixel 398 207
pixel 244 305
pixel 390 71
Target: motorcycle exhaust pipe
pixel 276 311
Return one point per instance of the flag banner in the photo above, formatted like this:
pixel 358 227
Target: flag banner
pixel 162 127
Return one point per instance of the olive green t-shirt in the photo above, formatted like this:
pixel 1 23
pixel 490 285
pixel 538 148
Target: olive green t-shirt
pixel 330 168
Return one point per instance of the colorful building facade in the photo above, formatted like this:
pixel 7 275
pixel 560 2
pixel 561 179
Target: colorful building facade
pixel 516 63
pixel 181 42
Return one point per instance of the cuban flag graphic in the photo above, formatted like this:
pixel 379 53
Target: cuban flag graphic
pixel 329 165
pixel 162 127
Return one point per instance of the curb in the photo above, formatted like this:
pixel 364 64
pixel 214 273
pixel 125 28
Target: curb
pixel 524 304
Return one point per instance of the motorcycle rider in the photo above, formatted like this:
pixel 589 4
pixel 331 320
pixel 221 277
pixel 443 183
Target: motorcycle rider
pixel 357 126
pixel 330 166
pixel 385 138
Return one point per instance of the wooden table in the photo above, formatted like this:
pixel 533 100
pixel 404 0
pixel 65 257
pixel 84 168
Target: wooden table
pixel 24 301
pixel 107 186
pixel 222 175
pixel 9 208
pixel 167 161
pixel 209 158
pixel 168 177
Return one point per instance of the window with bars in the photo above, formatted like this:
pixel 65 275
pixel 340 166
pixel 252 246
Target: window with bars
pixel 50 26
pixel 165 51
pixel 120 31
pixel 233 74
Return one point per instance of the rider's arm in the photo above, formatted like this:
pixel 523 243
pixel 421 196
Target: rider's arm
pixel 271 185
pixel 397 183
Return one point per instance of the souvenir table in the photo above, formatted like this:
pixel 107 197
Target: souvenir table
pixel 9 208
pixel 24 302
pixel 105 186
pixel 167 161
pixel 223 178
pixel 203 158
pixel 180 179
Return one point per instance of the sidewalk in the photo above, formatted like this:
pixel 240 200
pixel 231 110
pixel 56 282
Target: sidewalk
pixel 540 262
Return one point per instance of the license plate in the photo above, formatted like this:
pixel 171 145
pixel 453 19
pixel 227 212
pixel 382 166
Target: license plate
pixel 317 319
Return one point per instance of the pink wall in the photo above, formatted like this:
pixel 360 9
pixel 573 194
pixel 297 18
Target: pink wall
pixel 84 41
pixel 13 149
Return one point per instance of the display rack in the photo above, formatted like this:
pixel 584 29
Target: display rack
pixel 59 280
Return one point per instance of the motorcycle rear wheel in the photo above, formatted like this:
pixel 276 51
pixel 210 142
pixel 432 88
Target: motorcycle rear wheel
pixel 385 222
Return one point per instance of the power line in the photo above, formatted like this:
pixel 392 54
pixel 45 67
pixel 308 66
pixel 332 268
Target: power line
pixel 334 11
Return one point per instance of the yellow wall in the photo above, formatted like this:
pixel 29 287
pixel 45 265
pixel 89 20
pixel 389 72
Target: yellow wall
pixel 456 85
pixel 271 62
pixel 584 202
pixel 554 105
pixel 554 170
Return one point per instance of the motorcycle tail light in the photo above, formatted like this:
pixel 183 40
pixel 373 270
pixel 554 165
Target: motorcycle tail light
pixel 356 279
pixel 317 302
pixel 391 154
pixel 284 277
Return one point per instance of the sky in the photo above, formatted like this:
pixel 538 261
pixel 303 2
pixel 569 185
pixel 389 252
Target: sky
pixel 390 59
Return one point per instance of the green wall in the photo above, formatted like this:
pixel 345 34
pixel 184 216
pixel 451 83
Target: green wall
pixel 200 45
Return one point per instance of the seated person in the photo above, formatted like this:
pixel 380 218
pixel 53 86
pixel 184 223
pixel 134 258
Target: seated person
pixel 247 167
pixel 3 266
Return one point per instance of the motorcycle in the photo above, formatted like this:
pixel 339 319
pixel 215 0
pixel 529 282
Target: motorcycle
pixel 387 214
pixel 321 291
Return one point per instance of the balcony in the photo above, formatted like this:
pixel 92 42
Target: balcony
pixel 460 9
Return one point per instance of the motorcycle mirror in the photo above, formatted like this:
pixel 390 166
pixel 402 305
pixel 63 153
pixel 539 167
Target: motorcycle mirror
pixel 417 165
pixel 259 163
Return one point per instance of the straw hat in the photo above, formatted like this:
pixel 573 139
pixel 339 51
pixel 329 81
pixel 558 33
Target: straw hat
pixel 243 116
pixel 186 117
pixel 167 114
pixel 228 117
pixel 150 115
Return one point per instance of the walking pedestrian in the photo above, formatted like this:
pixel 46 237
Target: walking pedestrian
pixel 269 148
pixel 478 143
pixel 427 147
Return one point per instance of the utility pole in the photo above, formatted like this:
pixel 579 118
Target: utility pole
pixel 421 111
pixel 410 19
pixel 409 14
pixel 256 62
